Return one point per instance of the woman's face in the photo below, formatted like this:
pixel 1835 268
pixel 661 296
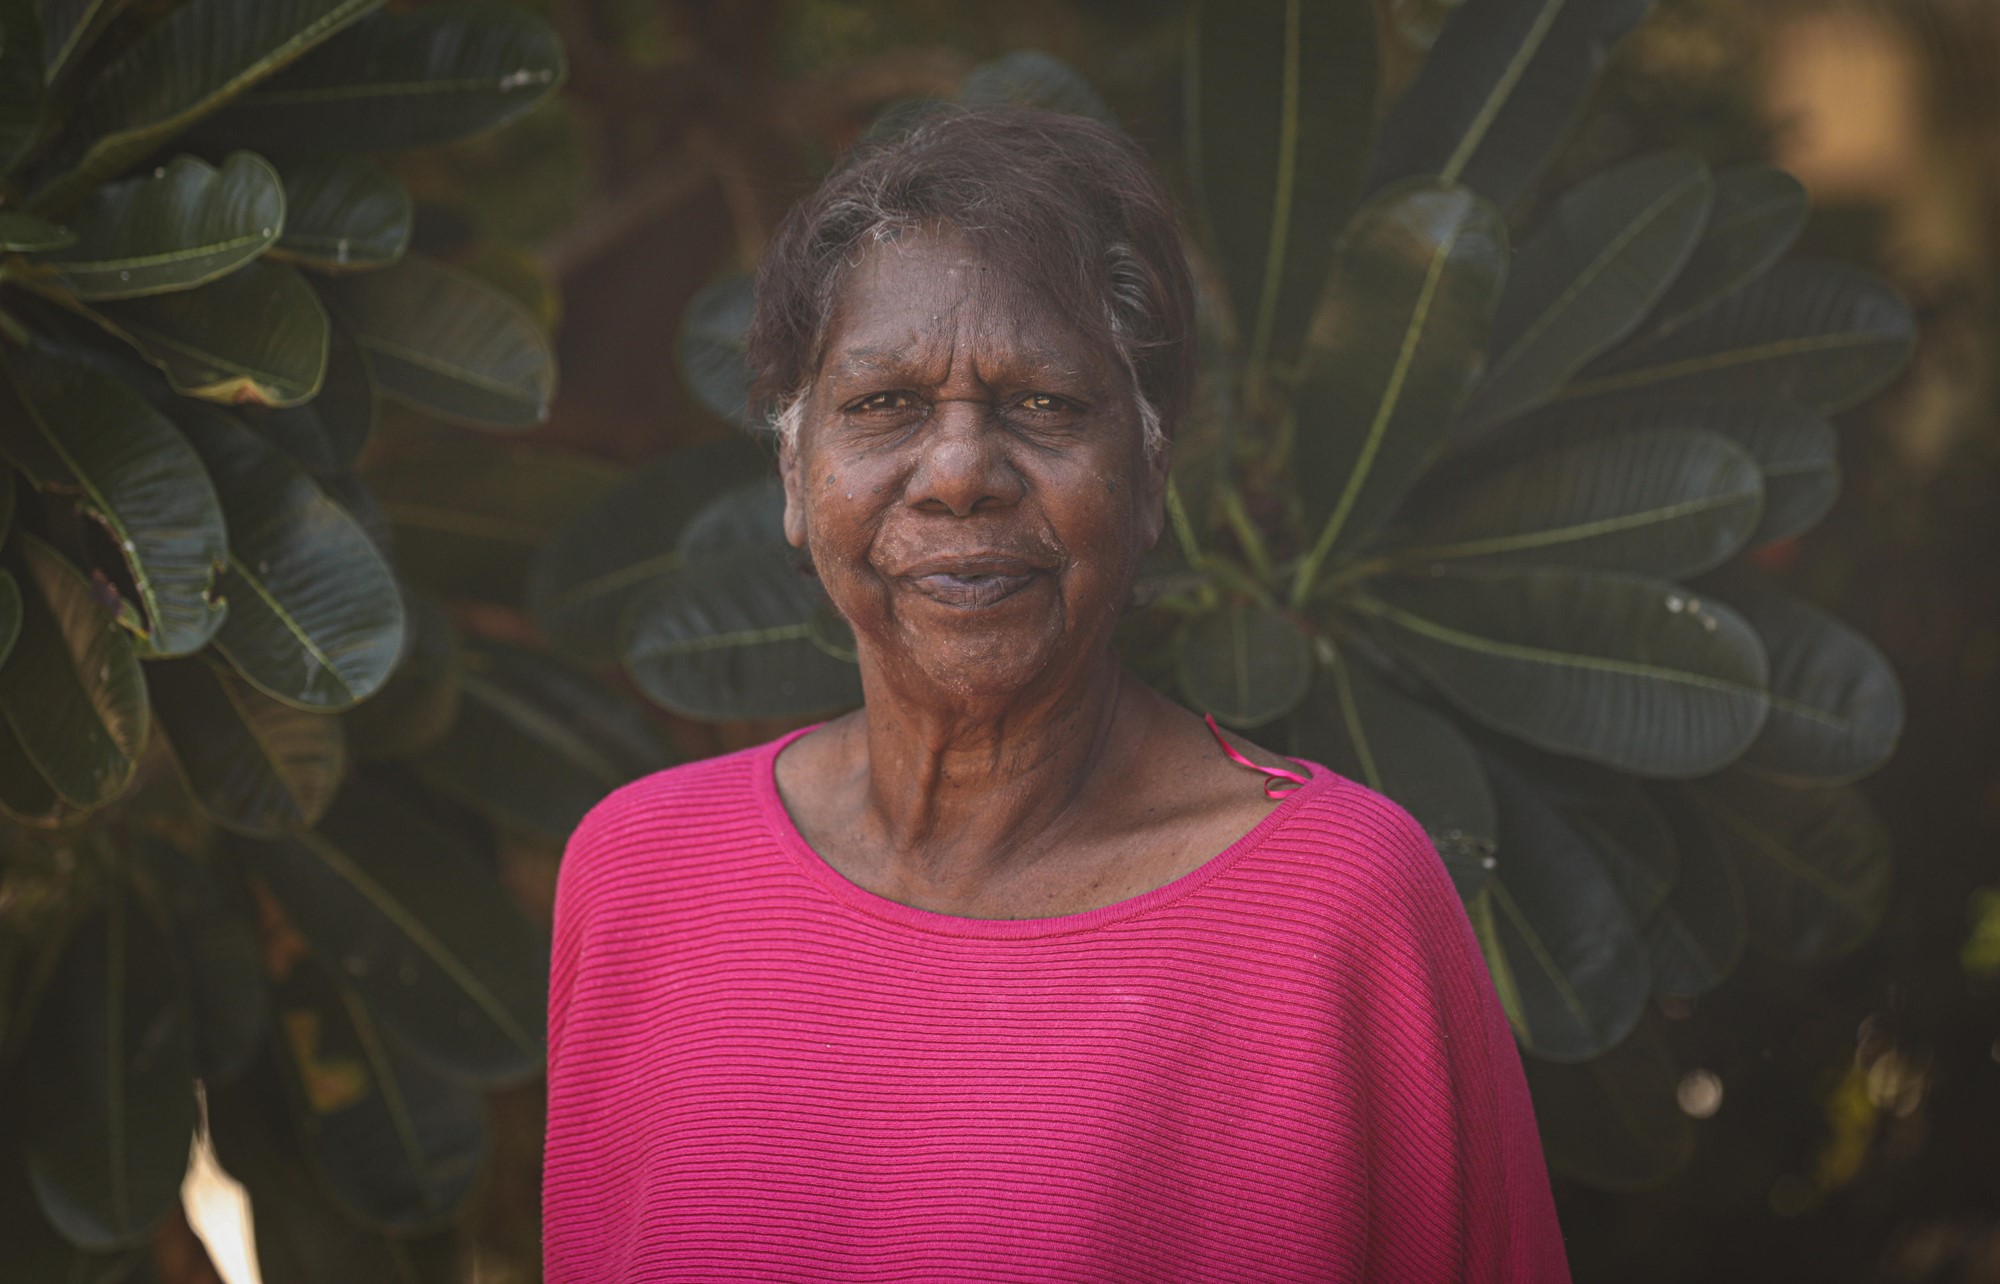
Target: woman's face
pixel 969 474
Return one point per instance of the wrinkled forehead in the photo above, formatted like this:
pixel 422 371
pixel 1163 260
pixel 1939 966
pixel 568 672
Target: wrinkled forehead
pixel 907 294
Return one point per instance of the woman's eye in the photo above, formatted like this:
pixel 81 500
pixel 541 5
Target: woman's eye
pixel 1042 402
pixel 886 401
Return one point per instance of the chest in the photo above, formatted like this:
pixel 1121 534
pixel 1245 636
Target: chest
pixel 1066 872
pixel 775 1032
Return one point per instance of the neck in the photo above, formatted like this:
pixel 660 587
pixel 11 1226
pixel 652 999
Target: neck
pixel 961 793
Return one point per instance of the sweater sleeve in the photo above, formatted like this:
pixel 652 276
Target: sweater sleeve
pixel 1459 1190
pixel 587 979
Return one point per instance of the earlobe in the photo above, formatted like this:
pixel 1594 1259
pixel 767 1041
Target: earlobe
pixel 1159 470
pixel 795 513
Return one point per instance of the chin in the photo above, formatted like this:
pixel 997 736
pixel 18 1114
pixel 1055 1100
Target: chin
pixel 977 663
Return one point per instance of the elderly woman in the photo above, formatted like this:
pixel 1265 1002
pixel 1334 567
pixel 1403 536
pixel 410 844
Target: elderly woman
pixel 1017 972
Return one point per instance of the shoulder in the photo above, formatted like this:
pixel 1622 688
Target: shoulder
pixel 1362 850
pixel 714 800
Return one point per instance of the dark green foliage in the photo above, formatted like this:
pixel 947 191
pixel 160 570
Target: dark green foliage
pixel 1504 82
pixel 711 347
pixel 111 1108
pixel 1280 99
pixel 423 933
pixel 191 577
pixel 1246 664
pixel 1619 1127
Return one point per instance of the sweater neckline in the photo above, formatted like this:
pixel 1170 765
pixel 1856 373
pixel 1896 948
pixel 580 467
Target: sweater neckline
pixel 815 869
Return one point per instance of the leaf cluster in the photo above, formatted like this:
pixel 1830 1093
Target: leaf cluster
pixel 220 865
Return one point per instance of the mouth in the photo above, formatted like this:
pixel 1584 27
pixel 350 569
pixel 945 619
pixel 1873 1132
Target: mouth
pixel 973 582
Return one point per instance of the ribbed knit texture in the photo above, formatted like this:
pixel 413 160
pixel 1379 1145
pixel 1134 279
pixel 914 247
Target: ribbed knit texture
pixel 1287 1065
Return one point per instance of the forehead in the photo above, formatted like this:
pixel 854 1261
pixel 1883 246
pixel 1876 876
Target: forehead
pixel 910 297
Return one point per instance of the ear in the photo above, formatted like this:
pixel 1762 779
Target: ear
pixel 792 473
pixel 1153 494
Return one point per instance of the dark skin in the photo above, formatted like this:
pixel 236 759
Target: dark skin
pixel 971 481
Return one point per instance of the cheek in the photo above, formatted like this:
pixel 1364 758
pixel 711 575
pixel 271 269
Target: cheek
pixel 844 509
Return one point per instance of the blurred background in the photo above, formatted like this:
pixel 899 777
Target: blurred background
pixel 1846 1116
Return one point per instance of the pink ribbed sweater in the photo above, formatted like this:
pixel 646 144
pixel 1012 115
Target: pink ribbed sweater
pixel 1286 1065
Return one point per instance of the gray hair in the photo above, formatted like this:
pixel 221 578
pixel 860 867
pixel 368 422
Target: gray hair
pixel 1065 203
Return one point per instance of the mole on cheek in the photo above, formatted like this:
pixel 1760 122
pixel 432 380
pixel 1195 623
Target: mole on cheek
pixel 1111 485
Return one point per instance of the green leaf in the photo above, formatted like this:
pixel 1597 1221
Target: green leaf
pixel 1821 334
pixel 1836 706
pixel 254 765
pixel 419 704
pixel 1758 213
pixel 1630 835
pixel 199 56
pixel 1588 275
pixel 216 952
pixel 20 231
pixel 1614 816
pixel 711 347
pixel 1281 109
pixel 753 513
pixel 71 694
pixel 325 435
pixel 21 105
pixel 82 432
pixel 10 614
pixel 537 743
pixel 258 335
pixel 1695 939
pixel 184 224
pixel 1031 78
pixel 1625 670
pixel 1795 448
pixel 1502 85
pixel 1614 1122
pixel 421 929
pixel 67 27
pixel 1414 284
pixel 475 538
pixel 25 796
pixel 397 1146
pixel 1815 863
pixel 433 74
pixel 441 341
pixel 587 574
pixel 1562 945
pixel 315 618
pixel 110 1109
pixel 30 1248
pixel 344 213
pixel 1661 502
pixel 1358 725
pixel 1245 664
pixel 730 637
pixel 301 1236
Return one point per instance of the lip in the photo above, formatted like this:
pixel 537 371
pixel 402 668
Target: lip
pixel 973 581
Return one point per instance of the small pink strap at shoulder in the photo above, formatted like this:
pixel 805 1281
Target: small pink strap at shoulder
pixel 1282 781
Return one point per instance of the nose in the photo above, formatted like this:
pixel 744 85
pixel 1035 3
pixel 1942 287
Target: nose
pixel 962 465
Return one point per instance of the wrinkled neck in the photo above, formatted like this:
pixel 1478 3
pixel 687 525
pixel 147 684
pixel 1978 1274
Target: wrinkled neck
pixel 960 791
